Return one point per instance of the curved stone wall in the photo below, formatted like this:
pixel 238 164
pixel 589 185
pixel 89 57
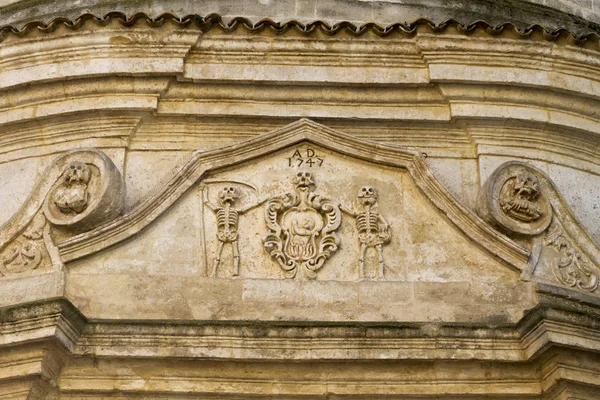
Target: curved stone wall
pixel 210 207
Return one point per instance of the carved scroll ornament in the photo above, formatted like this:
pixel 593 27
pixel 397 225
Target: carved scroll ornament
pixel 79 190
pixel 519 199
pixel 90 191
pixel 571 267
pixel 302 228
pixel 28 251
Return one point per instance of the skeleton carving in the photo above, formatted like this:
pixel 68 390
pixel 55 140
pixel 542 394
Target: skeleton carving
pixel 373 230
pixel 518 198
pixel 72 195
pixel 227 225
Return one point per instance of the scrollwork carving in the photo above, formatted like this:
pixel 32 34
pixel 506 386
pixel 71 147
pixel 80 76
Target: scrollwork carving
pixel 27 252
pixel 78 191
pixel 90 191
pixel 302 228
pixel 571 267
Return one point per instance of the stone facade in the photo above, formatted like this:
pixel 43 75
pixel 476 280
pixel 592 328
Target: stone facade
pixel 221 208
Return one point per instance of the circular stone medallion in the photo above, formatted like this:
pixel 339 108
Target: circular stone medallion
pixel 512 198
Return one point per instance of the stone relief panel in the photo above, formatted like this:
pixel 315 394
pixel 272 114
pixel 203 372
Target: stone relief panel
pixel 307 213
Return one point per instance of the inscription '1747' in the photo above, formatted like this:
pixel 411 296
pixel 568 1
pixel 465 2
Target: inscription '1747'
pixel 305 158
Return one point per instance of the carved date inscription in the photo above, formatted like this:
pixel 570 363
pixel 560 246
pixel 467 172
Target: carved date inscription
pixel 305 158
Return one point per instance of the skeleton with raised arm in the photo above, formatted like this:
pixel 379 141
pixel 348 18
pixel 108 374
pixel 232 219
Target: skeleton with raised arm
pixel 373 230
pixel 227 225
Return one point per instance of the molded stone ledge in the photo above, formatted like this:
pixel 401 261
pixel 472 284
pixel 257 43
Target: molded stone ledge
pixel 82 361
pixel 559 312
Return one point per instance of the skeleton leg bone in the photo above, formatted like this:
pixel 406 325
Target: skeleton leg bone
pixel 217 259
pixel 361 261
pixel 236 258
pixel 381 264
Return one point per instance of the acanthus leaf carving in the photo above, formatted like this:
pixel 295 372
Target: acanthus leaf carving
pixel 302 228
pixel 27 251
pixel 571 267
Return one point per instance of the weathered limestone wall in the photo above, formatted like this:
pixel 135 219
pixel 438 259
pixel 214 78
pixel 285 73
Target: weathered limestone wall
pixel 205 212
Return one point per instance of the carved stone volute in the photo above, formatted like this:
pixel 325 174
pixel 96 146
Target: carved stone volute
pixel 80 190
pixel 520 200
pixel 89 191
pixel 512 200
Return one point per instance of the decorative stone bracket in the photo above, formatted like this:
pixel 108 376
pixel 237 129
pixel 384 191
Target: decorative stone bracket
pixel 522 202
pixel 80 190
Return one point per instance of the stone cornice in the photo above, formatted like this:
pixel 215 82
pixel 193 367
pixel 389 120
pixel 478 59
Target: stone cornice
pixel 562 318
pixel 206 23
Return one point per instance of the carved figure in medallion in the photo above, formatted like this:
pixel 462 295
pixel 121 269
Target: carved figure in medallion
pixel 72 195
pixel 227 225
pixel 519 195
pixel 302 228
pixel 373 230
pixel 514 199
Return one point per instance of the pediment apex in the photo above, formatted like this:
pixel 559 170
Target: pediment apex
pixel 307 130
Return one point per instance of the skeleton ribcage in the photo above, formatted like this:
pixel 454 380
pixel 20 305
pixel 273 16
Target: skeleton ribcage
pixel 367 222
pixel 227 219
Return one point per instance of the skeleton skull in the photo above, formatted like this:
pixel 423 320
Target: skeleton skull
pixel 228 194
pixel 367 195
pixel 303 179
pixel 527 187
pixel 77 172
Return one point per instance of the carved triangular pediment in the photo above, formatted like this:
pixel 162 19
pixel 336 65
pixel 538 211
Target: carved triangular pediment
pixel 325 221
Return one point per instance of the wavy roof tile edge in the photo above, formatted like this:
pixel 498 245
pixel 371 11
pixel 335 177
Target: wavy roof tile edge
pixel 208 22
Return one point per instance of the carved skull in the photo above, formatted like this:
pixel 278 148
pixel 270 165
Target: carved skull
pixel 228 194
pixel 367 195
pixel 304 179
pixel 77 173
pixel 527 186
